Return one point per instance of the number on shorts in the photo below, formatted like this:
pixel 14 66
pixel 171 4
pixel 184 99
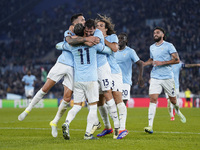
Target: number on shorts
pixel 125 92
pixel 105 82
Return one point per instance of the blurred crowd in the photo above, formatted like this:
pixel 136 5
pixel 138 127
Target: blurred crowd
pixel 28 42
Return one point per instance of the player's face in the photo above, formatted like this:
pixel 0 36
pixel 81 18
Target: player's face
pixel 81 20
pixel 158 35
pixel 29 73
pixel 89 31
pixel 122 40
pixel 101 26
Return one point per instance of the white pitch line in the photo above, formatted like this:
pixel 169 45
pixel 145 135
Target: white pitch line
pixel 167 132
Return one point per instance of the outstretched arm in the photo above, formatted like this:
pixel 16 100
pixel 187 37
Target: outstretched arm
pixel 148 62
pixel 192 65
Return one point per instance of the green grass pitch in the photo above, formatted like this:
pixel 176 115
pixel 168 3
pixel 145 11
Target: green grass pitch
pixel 35 133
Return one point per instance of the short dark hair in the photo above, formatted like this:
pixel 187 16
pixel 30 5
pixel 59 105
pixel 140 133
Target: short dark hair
pixel 90 23
pixel 79 29
pixel 75 16
pixel 161 29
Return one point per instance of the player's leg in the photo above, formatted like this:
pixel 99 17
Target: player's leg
pixel 70 116
pixel 104 115
pixel 78 98
pixel 117 95
pixel 151 112
pixel 105 82
pixel 54 75
pixel 68 86
pixel 61 110
pixel 92 95
pixel 168 86
pixel 39 95
pixel 155 89
pixel 170 107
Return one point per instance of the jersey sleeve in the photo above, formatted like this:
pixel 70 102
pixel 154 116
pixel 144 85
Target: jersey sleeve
pixel 172 49
pixel 67 47
pixel 114 38
pixel 134 56
pixel 68 33
pixel 106 50
pixel 59 46
pixel 99 34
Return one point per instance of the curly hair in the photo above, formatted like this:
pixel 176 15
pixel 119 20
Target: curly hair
pixel 108 24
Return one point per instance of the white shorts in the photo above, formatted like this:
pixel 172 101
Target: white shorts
pixel 177 94
pixel 104 78
pixel 117 82
pixel 126 91
pixel 60 70
pixel 168 85
pixel 29 92
pixel 86 90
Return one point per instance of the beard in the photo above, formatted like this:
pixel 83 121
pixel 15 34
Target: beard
pixel 157 39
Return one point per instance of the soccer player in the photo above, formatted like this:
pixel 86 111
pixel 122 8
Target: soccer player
pixel 62 68
pixel 72 112
pixel 104 79
pixel 176 70
pixel 125 57
pixel 111 40
pixel 85 84
pixel 29 82
pixel 162 55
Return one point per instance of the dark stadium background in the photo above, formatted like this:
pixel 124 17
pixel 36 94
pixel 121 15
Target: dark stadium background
pixel 30 29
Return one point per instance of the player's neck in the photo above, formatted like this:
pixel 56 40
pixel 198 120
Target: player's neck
pixel 159 42
pixel 122 47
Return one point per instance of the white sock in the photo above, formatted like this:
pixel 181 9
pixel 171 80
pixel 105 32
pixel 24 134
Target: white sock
pixel 113 112
pixel 61 110
pixel 91 118
pixel 122 115
pixel 72 113
pixel 38 96
pixel 170 108
pixel 151 114
pixel 104 115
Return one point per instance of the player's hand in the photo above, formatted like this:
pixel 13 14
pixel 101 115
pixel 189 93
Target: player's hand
pixel 141 82
pixel 157 63
pixel 93 39
pixel 88 44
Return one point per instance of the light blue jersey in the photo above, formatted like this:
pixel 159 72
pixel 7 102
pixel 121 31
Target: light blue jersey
pixel 66 56
pixel 101 58
pixel 115 69
pixel 125 58
pixel 162 53
pixel 85 61
pixel 176 70
pixel 29 80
